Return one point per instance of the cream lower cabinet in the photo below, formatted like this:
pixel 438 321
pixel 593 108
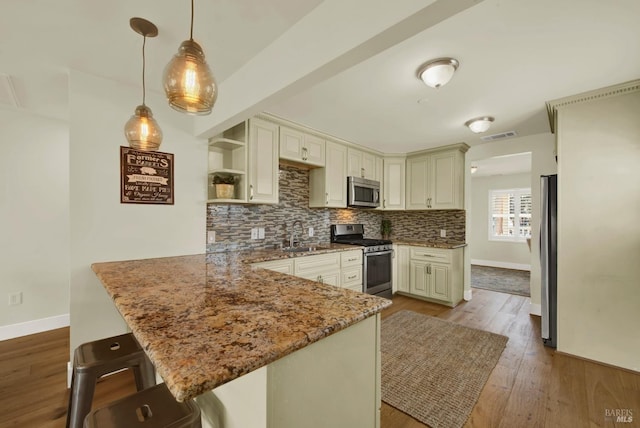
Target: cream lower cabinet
pixel 342 269
pixel 431 273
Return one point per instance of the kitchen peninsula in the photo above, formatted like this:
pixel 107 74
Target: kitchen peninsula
pixel 255 348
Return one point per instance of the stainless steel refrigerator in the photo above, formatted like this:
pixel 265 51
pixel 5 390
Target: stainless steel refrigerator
pixel 549 258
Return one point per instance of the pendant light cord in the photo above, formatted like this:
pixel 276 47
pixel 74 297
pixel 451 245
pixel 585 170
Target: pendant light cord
pixel 144 92
pixel 191 30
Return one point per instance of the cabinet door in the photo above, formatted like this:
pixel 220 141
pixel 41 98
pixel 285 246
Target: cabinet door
pixel 336 175
pixel 394 176
pixel 418 278
pixel 291 144
pixel 368 166
pixel 440 284
pixel 417 183
pixel 446 180
pixel 354 160
pixel 314 150
pixel 263 162
pixel 402 276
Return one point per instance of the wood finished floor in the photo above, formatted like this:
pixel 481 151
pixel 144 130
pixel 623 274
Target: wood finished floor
pixel 531 386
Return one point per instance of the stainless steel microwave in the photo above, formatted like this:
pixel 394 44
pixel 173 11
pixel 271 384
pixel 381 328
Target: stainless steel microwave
pixel 363 193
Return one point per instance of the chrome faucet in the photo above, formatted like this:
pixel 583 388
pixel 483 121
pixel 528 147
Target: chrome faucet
pixel 293 239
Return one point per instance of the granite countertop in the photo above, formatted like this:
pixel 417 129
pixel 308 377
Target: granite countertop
pixel 205 320
pixel 430 244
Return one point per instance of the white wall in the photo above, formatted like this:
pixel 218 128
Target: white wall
pixel 103 229
pixel 543 162
pixel 515 255
pixel 599 230
pixel 34 217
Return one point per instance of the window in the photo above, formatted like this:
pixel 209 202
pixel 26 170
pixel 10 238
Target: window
pixel 509 214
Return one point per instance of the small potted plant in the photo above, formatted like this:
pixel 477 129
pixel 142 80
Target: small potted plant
pixel 385 228
pixel 225 186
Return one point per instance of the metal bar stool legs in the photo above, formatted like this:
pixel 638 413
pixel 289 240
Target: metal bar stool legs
pixel 93 360
pixel 154 407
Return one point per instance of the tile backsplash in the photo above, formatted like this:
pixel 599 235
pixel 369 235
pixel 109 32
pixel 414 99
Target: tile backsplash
pixel 233 223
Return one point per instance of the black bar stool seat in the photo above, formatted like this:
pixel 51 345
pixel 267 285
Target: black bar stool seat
pixel 154 407
pixel 93 360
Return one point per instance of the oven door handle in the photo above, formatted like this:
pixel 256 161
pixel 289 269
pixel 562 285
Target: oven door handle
pixel 380 253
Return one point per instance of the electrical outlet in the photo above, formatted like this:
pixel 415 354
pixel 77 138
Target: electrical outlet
pixel 443 233
pixel 211 236
pixel 310 231
pixel 15 298
pixel 261 233
pixel 254 233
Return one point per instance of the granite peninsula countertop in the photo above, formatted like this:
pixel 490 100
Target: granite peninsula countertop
pixel 430 244
pixel 205 320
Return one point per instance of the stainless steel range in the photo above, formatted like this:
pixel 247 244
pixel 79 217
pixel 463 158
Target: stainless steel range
pixel 376 265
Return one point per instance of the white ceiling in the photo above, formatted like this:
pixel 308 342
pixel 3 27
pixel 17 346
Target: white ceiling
pixel 518 163
pixel 514 55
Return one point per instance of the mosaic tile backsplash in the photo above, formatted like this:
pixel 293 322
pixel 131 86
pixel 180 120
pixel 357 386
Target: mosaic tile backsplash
pixel 233 223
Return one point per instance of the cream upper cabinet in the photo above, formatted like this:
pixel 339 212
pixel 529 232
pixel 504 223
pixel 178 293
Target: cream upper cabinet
pixel 263 162
pixel 393 184
pixel 328 185
pixel 417 183
pixel 362 164
pixel 301 147
pixel 436 180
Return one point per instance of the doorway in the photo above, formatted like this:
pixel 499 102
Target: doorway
pixel 500 223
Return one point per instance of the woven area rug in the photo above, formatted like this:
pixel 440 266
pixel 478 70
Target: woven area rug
pixel 434 370
pixel 510 281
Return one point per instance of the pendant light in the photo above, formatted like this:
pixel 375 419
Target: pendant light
pixel 188 82
pixel 142 131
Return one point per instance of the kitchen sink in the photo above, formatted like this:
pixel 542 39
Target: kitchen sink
pixel 304 249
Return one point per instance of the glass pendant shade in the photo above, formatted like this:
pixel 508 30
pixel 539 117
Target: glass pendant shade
pixel 188 82
pixel 142 131
pixel 437 73
pixel 480 124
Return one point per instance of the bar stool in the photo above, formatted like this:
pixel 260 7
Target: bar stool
pixel 93 360
pixel 154 407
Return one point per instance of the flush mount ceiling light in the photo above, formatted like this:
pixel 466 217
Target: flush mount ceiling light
pixel 473 169
pixel 188 82
pixel 142 131
pixel 438 72
pixel 479 124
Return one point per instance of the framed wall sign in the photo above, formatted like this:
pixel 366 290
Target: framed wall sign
pixel 146 177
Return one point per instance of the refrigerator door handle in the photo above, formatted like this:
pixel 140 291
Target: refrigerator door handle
pixel 544 257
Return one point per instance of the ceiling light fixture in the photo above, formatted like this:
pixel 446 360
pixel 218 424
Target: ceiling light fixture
pixel 438 72
pixel 473 169
pixel 479 124
pixel 141 130
pixel 188 82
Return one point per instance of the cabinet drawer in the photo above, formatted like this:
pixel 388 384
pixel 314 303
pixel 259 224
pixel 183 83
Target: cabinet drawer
pixel 331 278
pixel 430 255
pixel 351 258
pixel 352 276
pixel 357 287
pixel 322 262
pixel 284 266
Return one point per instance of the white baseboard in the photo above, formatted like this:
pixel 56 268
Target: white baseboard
pixel 535 309
pixel 467 295
pixel 31 327
pixel 504 265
